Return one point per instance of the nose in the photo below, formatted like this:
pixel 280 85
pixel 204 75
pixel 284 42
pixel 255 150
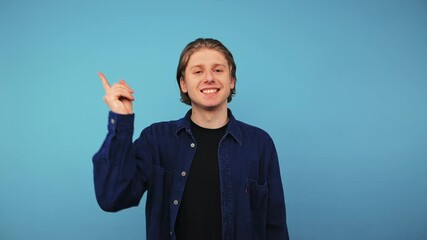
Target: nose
pixel 209 76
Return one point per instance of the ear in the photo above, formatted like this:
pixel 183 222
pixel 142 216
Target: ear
pixel 232 84
pixel 183 85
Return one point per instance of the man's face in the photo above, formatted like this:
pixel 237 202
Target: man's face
pixel 207 80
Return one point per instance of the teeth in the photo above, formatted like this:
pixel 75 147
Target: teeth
pixel 209 91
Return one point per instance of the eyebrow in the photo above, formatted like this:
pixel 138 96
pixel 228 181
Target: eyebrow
pixel 201 66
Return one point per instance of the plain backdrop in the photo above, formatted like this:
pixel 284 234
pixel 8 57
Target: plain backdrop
pixel 339 85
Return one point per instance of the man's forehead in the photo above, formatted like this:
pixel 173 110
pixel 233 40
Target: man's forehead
pixel 207 56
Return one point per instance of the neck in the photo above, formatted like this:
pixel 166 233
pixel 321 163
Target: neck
pixel 211 119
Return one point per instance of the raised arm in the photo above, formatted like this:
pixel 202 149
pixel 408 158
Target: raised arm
pixel 118 182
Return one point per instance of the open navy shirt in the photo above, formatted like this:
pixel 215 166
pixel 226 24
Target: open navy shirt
pixel 199 215
pixel 252 199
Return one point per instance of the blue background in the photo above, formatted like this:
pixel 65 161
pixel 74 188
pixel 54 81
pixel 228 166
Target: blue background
pixel 339 85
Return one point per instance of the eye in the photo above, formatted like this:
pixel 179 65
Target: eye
pixel 218 70
pixel 197 72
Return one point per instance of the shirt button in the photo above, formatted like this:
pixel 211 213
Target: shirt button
pixel 112 121
pixel 192 145
pixel 183 174
pixel 175 202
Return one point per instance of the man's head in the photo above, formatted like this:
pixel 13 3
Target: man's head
pixel 195 46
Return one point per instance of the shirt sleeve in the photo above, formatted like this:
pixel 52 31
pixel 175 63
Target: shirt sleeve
pixel 117 180
pixel 276 212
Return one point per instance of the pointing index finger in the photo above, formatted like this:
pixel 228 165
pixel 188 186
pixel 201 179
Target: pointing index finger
pixel 104 81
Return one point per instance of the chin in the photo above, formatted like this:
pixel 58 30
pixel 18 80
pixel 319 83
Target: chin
pixel 208 107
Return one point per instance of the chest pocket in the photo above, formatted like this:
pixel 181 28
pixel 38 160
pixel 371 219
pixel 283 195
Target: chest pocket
pixel 258 202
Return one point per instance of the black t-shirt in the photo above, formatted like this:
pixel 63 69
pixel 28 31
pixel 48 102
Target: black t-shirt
pixel 199 216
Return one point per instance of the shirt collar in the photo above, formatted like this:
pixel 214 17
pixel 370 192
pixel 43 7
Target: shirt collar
pixel 232 129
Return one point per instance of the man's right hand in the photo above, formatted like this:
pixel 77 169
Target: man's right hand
pixel 118 97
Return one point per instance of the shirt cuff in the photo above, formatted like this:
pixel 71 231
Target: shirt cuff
pixel 120 123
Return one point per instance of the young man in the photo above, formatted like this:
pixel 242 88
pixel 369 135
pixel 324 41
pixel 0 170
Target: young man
pixel 207 175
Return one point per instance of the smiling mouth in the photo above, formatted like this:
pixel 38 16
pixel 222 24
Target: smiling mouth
pixel 210 90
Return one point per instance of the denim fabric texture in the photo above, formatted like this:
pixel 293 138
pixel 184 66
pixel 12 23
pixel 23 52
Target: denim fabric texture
pixel 252 198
